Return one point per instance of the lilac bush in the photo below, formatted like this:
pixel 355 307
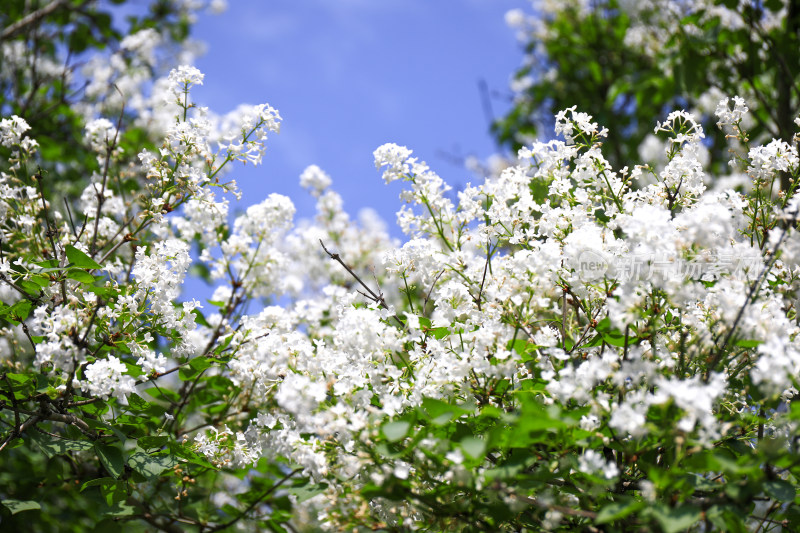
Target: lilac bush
pixel 564 345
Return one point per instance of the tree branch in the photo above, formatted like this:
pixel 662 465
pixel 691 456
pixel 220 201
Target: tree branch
pixel 31 18
pixel 377 298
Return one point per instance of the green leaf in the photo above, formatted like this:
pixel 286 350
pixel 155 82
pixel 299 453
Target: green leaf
pixel 163 394
pixel 199 318
pixel 119 509
pixel 394 431
pixel 780 490
pixel 80 259
pixel 601 216
pixel 201 363
pixel 190 455
pixel 112 428
pixel 308 491
pixel 677 519
pixel 40 280
pixel 442 412
pixel 49 265
pixel 521 347
pixel 728 518
pixel 114 491
pixel 151 466
pixel 615 338
pixel 30 287
pixel 474 447
pixel 137 403
pixel 440 333
pixel 52 447
pixel 745 343
pixel 17 506
pixel 99 482
pixel 80 275
pixel 187 373
pixel 148 443
pixel 617 510
pixel 111 457
pixel 20 379
pixel 19 311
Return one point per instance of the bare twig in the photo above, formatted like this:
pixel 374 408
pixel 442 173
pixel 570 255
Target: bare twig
pixel 565 291
pixel 377 298
pixel 747 301
pixel 101 194
pixel 31 18
pixel 74 421
pixel 50 231
pixel 13 402
pixel 428 296
pixel 27 333
pixel 486 101
pixel 483 279
pixel 19 289
pixel 14 434
pixel 71 221
pixel 260 499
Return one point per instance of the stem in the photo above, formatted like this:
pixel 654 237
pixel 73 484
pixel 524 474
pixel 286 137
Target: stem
pixel 377 298
pixel 260 499
pixel 101 194
pixel 750 297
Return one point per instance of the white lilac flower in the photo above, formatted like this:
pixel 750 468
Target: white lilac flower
pixel 106 377
pixel 395 159
pixel 147 359
pixel 300 395
pixel 11 130
pixel 630 416
pixel 101 135
pixel 183 77
pixel 592 462
pixel 315 180
pixel 766 161
pixel 577 124
pixel 728 116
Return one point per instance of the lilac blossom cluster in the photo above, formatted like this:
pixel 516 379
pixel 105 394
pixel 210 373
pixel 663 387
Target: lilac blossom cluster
pixel 325 363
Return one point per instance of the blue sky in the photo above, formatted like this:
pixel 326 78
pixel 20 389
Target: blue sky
pixel 350 75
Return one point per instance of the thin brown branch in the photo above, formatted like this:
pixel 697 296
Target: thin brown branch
pixel 101 194
pixel 253 505
pixel 13 402
pixel 30 18
pixel 428 296
pixel 14 434
pixel 485 270
pixel 377 298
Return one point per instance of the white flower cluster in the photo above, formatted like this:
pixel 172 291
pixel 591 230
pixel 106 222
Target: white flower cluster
pixel 315 180
pixel 182 79
pixel 728 116
pixel 578 124
pixel 395 159
pixel 765 160
pixel 523 280
pixel 107 377
pixel 332 367
pixel 591 462
pixel 101 136
pixel 11 131
pixel 244 131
